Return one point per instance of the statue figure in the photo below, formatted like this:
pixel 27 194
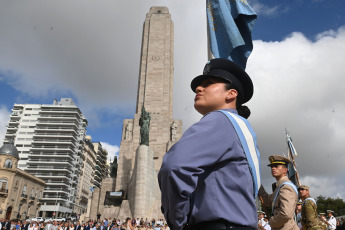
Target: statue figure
pixel 144 123
pixel 113 168
pixel 128 131
pixel 173 129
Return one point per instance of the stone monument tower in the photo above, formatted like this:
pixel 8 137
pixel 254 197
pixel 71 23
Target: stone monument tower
pixel 139 161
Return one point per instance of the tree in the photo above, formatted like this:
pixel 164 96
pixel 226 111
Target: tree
pixel 337 205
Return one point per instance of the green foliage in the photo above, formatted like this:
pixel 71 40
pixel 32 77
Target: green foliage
pixel 326 203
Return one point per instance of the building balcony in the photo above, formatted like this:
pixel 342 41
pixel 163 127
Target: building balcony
pixel 54 111
pixel 57 183
pixel 56 129
pixel 84 198
pixel 37 170
pixel 55 136
pixel 53 142
pixel 37 163
pixel 3 192
pixel 52 148
pixel 51 176
pixel 10 135
pixel 55 191
pixel 54 198
pixel 61 117
pixel 57 123
pixel 23 197
pixel 39 155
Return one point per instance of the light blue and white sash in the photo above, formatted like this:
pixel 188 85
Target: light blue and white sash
pixel 276 195
pixel 309 198
pixel 248 140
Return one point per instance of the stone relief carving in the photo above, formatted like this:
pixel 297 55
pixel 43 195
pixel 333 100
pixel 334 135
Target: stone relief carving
pixel 128 131
pixel 173 129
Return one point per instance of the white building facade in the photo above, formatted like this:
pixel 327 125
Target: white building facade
pixel 50 142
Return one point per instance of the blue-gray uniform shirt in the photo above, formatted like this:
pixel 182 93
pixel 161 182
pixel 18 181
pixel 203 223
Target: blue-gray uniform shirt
pixel 207 175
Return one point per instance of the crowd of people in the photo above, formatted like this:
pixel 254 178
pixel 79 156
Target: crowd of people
pixel 105 224
pixel 326 223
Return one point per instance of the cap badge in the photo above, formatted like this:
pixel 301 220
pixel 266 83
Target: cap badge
pixel 207 68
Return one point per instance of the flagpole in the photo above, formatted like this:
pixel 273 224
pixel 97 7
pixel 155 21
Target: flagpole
pixel 290 153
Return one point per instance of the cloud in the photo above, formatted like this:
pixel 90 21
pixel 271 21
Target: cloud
pixel 265 10
pixel 4 119
pixel 298 86
pixel 113 150
pixel 85 49
pixel 317 186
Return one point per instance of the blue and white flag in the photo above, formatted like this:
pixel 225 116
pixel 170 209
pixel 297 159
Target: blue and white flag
pixel 229 26
pixel 291 147
pixel 91 189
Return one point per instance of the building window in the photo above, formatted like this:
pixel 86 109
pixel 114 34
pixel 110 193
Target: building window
pixel 24 190
pixel 8 163
pixel 3 185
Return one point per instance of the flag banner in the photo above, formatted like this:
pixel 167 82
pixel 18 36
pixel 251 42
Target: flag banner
pixel 291 147
pixel 229 26
pixel 292 174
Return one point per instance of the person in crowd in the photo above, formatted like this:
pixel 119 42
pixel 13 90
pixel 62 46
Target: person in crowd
pixel 210 161
pixel 18 226
pixel 284 198
pixel 54 225
pixel 129 225
pixel 309 217
pixel 88 226
pixel 102 226
pixel 331 222
pixel 13 225
pixel 77 226
pixel 298 214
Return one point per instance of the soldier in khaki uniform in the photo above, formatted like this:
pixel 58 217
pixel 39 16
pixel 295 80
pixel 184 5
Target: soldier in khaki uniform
pixel 310 220
pixel 284 198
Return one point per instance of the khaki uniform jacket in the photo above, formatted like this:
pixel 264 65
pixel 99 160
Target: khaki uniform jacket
pixel 285 205
pixel 310 220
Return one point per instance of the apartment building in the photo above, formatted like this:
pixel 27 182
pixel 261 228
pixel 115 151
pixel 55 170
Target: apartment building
pixel 50 142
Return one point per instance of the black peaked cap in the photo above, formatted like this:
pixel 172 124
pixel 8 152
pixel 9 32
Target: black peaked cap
pixel 229 71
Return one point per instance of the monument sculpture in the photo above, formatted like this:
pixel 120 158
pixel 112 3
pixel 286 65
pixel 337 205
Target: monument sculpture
pixel 144 123
pixel 147 137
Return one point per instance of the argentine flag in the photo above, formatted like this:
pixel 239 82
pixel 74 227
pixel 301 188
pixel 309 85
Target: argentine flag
pixel 229 26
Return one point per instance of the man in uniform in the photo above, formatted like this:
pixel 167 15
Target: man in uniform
pixel 263 223
pixel 298 214
pixel 331 222
pixel 206 178
pixel 284 197
pixel 310 220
